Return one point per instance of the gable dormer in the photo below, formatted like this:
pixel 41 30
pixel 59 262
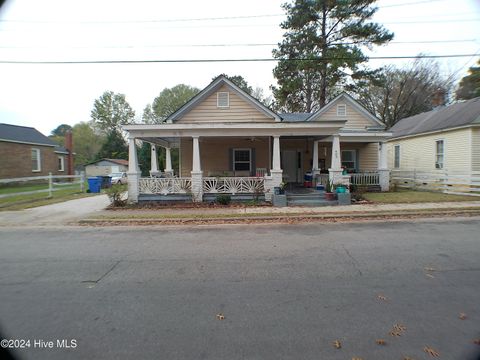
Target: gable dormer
pixel 223 102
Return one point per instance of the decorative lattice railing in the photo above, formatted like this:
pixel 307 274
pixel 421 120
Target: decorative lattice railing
pixel 165 186
pixel 365 178
pixel 233 185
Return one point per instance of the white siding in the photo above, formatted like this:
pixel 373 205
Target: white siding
pixel 475 149
pixel 419 152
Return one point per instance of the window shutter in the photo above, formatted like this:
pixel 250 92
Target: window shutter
pixel 253 165
pixel 230 159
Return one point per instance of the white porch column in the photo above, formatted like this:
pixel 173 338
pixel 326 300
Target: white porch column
pixel 133 172
pixel 153 160
pixel 197 174
pixel 275 178
pixel 383 171
pixel 168 161
pixel 315 169
pixel 335 171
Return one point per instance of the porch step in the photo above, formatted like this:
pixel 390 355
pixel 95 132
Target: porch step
pixel 315 198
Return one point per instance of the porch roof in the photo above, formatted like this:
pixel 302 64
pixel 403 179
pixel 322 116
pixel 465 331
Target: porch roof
pixel 168 132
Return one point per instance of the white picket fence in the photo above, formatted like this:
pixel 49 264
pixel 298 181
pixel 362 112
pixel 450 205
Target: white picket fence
pixel 443 181
pixel 51 183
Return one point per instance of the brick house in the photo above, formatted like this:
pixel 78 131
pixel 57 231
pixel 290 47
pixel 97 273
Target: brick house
pixel 25 152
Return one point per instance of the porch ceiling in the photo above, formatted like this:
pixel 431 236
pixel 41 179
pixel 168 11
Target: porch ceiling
pixel 165 131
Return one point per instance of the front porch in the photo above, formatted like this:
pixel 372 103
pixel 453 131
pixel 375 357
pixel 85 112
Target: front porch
pixel 249 168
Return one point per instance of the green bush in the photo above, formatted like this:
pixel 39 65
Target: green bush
pixel 116 194
pixel 223 199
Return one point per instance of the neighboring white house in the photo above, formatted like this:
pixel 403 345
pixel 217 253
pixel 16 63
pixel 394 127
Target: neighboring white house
pixel 231 143
pixel 106 167
pixel 439 149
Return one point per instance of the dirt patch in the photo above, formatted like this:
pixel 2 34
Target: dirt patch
pixel 152 205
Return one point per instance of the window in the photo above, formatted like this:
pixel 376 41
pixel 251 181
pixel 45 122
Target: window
pixel 439 154
pixel 349 160
pixel 241 159
pixel 223 100
pixel 61 163
pixel 341 110
pixel 396 161
pixel 36 161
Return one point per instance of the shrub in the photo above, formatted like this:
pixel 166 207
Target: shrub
pixel 223 199
pixel 116 194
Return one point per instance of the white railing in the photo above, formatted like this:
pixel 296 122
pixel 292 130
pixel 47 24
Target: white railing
pixel 233 185
pixel 40 181
pixel 367 178
pixel 165 186
pixel 453 182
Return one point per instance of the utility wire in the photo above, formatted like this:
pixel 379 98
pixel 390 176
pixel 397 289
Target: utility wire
pixel 225 45
pixel 227 60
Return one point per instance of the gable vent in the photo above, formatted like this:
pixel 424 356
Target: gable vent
pixel 223 100
pixel 341 110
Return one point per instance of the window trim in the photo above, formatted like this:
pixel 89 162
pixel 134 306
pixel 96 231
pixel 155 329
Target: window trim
pixel 344 106
pixel 228 100
pixel 62 163
pixel 395 147
pixel 249 159
pixel 354 151
pixel 39 160
pixel 436 154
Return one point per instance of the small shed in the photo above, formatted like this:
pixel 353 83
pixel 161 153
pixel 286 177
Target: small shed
pixel 106 167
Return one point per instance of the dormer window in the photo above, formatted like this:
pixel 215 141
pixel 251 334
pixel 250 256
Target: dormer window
pixel 223 100
pixel 341 110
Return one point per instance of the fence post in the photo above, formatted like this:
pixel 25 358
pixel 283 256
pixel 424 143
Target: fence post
pixel 50 184
pixel 82 181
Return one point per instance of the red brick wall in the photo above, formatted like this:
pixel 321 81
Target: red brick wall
pixel 16 160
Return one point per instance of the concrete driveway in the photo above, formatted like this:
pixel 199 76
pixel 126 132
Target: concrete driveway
pixel 55 214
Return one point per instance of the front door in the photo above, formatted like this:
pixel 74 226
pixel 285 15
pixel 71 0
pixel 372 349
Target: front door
pixel 289 165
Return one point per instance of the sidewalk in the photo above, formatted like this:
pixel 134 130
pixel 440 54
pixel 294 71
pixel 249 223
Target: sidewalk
pixel 235 214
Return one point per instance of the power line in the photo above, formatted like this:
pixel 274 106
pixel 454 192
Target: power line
pixel 410 3
pixel 224 45
pixel 227 60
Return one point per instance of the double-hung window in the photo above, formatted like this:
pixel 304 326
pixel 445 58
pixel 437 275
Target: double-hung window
pixel 242 159
pixel 396 163
pixel 439 154
pixel 349 160
pixel 36 161
pixel 61 163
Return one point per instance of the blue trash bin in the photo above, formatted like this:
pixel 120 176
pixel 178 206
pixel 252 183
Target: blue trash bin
pixel 94 184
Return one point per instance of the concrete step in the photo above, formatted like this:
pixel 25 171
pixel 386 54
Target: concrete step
pixel 311 202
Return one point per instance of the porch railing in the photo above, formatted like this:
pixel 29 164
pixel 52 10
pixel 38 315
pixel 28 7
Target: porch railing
pixel 165 186
pixel 365 178
pixel 233 185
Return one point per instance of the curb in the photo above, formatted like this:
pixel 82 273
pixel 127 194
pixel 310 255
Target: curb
pixel 332 217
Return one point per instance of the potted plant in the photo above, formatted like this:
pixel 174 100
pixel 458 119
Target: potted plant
pixel 329 195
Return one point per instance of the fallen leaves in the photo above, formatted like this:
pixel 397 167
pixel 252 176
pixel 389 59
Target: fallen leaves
pixel 337 344
pixel 397 330
pixel 462 316
pixel 382 297
pixel 431 351
pixel 476 341
pixel 381 342
pixel 220 316
pixel 356 358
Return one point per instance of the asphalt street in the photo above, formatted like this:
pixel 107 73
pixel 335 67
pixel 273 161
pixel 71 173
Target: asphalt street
pixel 286 291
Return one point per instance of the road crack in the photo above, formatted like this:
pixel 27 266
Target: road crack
pixel 356 265
pixel 104 275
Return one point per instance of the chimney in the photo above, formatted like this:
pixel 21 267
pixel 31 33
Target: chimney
pixel 69 147
pixel 438 98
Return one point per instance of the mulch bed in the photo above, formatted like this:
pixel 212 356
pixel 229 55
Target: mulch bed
pixel 152 205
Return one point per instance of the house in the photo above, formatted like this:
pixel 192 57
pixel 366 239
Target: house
pixel 25 152
pixel 231 143
pixel 106 167
pixel 439 149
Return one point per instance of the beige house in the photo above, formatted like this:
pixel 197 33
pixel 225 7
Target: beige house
pixel 231 143
pixel 104 167
pixel 439 149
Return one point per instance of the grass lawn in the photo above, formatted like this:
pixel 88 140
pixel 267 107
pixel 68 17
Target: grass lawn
pixel 19 202
pixel 409 196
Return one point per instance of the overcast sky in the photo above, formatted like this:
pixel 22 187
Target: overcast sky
pixel 44 96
